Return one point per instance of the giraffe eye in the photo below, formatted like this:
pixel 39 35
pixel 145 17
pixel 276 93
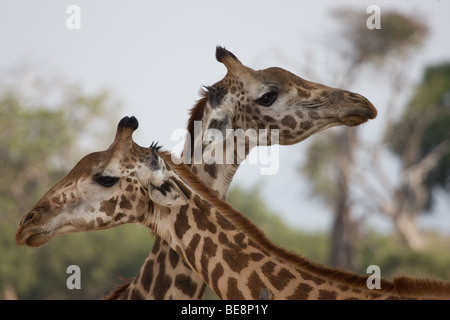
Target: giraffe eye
pixel 105 181
pixel 267 99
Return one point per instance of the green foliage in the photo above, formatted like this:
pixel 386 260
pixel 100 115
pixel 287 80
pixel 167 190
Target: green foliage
pixel 40 133
pixel 428 114
pixel 251 203
pixel 393 258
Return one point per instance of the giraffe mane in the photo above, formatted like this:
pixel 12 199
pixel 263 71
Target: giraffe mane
pixel 432 288
pixel 118 291
pixel 401 285
pixel 196 113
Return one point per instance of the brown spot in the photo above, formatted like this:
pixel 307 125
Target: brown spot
pixel 273 127
pixel 343 287
pixel 313 115
pixel 278 279
pixel 224 223
pixel 204 263
pixel 301 292
pixel 256 256
pixel 239 239
pixel 211 170
pixel 305 125
pixel 289 121
pixel 209 247
pixel 236 259
pixel 147 275
pixel 303 93
pixel 215 276
pixel 141 205
pixel 56 200
pixel 268 119
pixel 119 216
pixel 202 221
pixel 209 250
pixel 100 222
pixel 90 225
pixel 255 285
pixel 125 203
pixel 108 206
pixel 174 258
pixel 129 188
pixel 223 239
pixel 326 295
pixel 136 295
pixel 185 284
pixel 182 222
pixel 233 292
pixel 162 280
pixel 190 250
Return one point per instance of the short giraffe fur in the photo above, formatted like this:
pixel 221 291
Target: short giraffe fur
pixel 129 183
pixel 272 98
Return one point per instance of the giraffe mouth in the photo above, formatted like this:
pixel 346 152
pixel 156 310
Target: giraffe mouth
pixel 358 116
pixel 38 237
pixel 354 120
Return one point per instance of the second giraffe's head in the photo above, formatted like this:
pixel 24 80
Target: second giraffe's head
pixel 120 185
pixel 274 98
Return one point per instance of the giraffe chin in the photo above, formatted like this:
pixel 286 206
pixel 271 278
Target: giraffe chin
pixel 38 240
pixel 353 120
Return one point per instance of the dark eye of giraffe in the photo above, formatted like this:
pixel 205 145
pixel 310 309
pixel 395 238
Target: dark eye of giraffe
pixel 267 99
pixel 105 181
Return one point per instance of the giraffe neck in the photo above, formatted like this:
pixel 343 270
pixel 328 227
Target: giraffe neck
pixel 164 275
pixel 217 176
pixel 213 239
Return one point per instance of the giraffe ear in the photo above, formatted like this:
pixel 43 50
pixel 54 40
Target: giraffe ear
pixel 167 194
pixel 161 189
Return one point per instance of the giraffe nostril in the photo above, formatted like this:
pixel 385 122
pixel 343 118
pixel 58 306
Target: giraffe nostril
pixel 28 217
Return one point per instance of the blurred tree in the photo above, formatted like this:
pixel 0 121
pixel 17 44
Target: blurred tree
pixel 251 203
pixel 421 139
pixel 45 125
pixel 333 166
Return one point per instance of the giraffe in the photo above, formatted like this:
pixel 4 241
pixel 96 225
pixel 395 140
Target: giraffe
pixel 270 99
pixel 129 183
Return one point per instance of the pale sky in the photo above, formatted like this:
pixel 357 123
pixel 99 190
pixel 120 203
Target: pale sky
pixel 156 55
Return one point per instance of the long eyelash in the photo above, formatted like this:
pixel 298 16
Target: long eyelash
pixel 155 146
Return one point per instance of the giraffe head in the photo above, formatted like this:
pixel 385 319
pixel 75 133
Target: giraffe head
pixel 119 185
pixel 274 98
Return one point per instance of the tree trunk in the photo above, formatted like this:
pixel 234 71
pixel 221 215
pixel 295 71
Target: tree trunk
pixel 407 229
pixel 342 250
pixel 343 234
